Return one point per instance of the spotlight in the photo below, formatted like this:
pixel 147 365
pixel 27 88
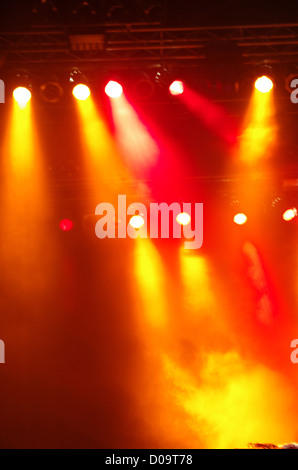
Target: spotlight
pixel 183 218
pixel 22 95
pixel 282 205
pixel 45 11
pixel 264 84
pixel 66 225
pixel 117 11
pixel 151 11
pixel 113 89
pixel 51 91
pixel 240 218
pixel 84 11
pixel 22 88
pixel 143 87
pixel 81 92
pixel 238 211
pixel 164 77
pixel 289 214
pixel 176 87
pixel 137 221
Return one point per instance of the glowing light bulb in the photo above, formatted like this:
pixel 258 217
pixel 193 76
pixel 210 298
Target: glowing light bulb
pixel 22 95
pixel 289 214
pixel 240 219
pixel 264 84
pixel 81 92
pixel 183 218
pixel 66 225
pixel 176 87
pixel 137 221
pixel 113 89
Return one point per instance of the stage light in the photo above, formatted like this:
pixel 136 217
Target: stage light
pixel 51 91
pixel 137 221
pixel 45 11
pixel 240 218
pixel 264 84
pixel 176 88
pixel 143 86
pixel 66 225
pixel 166 79
pixel 79 84
pixel 153 11
pixel 117 11
pixel 81 92
pixel 183 218
pixel 22 95
pixel 84 11
pixel 22 87
pixel 289 214
pixel 113 89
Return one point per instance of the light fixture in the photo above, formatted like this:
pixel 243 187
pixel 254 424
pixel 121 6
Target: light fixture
pixel 152 10
pixel 81 91
pixel 183 218
pixel 264 80
pixel 84 11
pixel 136 221
pixel 264 84
pixel 113 89
pixel 238 212
pixel 22 88
pixel 143 87
pixel 80 88
pixel 284 207
pixel 50 90
pixel 289 214
pixel 240 218
pixel 22 95
pixel 66 225
pixel 45 11
pixel 117 11
pixel 176 88
pixel 163 77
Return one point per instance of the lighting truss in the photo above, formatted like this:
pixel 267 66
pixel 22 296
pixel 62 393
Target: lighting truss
pixel 143 42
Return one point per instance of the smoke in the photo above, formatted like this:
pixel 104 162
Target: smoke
pixel 232 402
pixel 201 387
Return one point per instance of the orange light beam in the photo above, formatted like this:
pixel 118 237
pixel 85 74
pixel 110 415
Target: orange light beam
pixel 259 130
pixel 101 158
pixel 25 203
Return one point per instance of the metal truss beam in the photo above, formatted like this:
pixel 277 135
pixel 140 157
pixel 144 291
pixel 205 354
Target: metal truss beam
pixel 142 42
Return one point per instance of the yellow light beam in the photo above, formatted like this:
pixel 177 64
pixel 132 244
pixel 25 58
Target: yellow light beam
pixel 230 402
pixel 260 130
pixel 102 162
pixel 150 282
pixel 25 202
pixel 198 294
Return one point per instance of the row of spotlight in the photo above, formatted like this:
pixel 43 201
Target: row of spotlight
pixel 240 218
pixel 81 91
pixel 114 89
pixel 289 214
pixel 137 221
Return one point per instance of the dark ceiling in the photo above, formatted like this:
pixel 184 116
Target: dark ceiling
pixel 219 54
pixel 19 14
